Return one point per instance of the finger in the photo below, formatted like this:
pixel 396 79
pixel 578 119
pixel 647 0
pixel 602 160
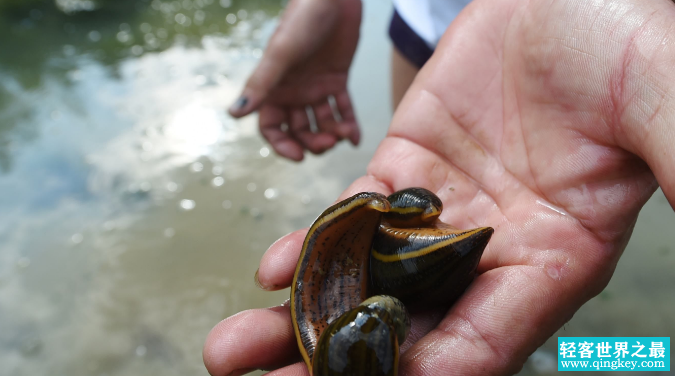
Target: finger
pixel 278 263
pixel 337 118
pixel 303 29
pixel 270 122
pixel 250 340
pixel 299 128
pixel 325 119
pixel 266 75
pixel 421 324
pixel 264 78
pixel 349 126
pixel 297 369
pixel 350 131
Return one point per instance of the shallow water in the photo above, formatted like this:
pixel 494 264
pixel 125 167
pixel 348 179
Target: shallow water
pixel 135 211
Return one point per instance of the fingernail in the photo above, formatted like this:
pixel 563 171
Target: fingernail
pixel 239 104
pixel 355 138
pixel 344 132
pixel 256 278
pixel 282 307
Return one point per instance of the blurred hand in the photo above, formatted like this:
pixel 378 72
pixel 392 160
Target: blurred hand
pixel 302 71
pixel 550 121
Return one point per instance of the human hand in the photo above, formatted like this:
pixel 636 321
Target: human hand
pixel 551 122
pixel 303 73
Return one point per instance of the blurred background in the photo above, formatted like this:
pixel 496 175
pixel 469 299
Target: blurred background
pixel 134 211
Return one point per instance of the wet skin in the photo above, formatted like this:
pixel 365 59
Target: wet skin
pixel 553 125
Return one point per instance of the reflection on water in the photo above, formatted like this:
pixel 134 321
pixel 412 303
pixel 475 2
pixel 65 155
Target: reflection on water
pixel 135 211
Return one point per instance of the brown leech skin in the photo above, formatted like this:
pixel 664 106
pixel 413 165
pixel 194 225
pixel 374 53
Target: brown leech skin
pixel 332 273
pixel 413 207
pixel 363 341
pixel 369 244
pixel 426 267
pixel 420 260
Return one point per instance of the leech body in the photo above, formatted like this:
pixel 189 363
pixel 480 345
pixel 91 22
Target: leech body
pixel 426 267
pixel 363 341
pixel 332 273
pixel 413 207
pixel 421 261
pixel 371 244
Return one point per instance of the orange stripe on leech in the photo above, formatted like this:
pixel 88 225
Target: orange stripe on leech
pixel 318 223
pixel 425 250
pixel 406 210
pixel 294 317
pixel 434 213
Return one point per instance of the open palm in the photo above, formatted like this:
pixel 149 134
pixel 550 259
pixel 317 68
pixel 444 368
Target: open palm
pixel 550 121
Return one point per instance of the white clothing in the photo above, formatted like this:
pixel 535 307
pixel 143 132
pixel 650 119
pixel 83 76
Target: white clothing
pixel 429 18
